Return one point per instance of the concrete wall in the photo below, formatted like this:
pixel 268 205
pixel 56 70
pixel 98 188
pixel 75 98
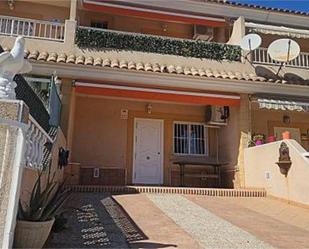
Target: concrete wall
pixel 13 119
pixel 261 160
pixel 102 139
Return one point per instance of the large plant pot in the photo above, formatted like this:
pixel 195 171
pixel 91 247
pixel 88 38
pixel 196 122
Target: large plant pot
pixel 32 234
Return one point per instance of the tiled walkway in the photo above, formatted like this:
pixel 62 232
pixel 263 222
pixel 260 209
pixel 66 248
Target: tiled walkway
pixel 175 221
pixel 208 229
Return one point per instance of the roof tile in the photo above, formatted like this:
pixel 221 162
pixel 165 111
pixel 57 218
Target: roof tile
pixel 149 67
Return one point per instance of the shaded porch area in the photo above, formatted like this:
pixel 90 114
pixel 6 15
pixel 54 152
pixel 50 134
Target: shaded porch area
pixel 134 136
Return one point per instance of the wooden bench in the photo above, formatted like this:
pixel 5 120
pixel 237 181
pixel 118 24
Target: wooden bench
pixel 204 162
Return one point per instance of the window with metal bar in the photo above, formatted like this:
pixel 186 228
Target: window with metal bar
pixel 190 139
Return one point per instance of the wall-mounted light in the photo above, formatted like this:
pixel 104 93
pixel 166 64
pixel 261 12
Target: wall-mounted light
pixel 149 108
pixel 164 27
pixel 286 119
pixel 11 4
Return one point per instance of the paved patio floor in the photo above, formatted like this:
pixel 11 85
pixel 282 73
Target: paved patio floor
pixel 176 221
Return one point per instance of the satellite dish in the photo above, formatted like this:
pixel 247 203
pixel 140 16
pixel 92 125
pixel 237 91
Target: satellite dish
pixel 283 50
pixel 251 42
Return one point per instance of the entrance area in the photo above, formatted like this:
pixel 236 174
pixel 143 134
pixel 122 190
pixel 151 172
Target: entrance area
pixel 148 151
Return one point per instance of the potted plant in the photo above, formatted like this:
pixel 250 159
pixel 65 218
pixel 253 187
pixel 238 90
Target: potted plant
pixel 36 218
pixel 257 139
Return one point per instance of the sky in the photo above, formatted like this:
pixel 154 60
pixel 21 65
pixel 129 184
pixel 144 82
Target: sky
pixel 301 5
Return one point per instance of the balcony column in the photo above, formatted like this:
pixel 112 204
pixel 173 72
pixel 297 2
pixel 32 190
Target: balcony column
pixel 73 10
pixel 70 27
pixel 69 35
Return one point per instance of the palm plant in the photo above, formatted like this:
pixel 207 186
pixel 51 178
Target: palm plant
pixel 44 204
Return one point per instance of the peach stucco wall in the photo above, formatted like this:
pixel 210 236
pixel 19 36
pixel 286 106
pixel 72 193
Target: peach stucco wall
pixel 146 26
pixel 261 160
pixel 229 146
pixel 35 10
pixel 102 139
pixel 30 175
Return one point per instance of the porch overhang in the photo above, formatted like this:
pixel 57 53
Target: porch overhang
pixel 281 104
pixel 155 94
pixel 131 9
pixel 277 30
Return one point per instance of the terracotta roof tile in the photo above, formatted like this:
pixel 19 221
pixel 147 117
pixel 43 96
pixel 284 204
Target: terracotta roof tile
pixel 71 59
pixel 106 63
pixel 52 57
pixel 150 67
pixel 62 58
pixel 98 62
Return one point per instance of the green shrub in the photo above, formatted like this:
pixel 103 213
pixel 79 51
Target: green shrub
pixel 44 204
pixel 98 39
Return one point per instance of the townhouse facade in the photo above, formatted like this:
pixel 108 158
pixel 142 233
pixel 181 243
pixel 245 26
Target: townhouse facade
pixel 143 84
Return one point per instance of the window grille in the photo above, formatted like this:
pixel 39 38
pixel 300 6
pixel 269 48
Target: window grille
pixel 190 139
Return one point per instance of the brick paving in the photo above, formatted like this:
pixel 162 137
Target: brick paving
pixel 183 222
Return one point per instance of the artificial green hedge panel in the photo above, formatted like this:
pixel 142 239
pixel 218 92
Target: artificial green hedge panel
pixel 103 39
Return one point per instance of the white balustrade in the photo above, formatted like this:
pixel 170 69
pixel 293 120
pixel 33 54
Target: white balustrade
pixel 15 26
pixel 35 141
pixel 260 56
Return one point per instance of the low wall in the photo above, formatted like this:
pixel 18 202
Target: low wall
pixel 261 171
pixel 30 175
pixel 13 125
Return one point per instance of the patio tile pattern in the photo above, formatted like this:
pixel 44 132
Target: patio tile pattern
pixel 208 229
pixel 171 221
pixel 275 222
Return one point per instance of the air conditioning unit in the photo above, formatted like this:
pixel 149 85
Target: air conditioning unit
pixel 204 33
pixel 217 115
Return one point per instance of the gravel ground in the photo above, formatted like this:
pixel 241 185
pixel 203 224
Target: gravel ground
pixel 208 229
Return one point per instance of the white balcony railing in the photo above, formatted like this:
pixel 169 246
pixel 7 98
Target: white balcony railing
pixel 260 56
pixel 35 144
pixel 14 26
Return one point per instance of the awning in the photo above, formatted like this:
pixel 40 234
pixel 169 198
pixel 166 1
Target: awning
pixel 155 94
pixel 131 9
pixel 283 105
pixel 277 30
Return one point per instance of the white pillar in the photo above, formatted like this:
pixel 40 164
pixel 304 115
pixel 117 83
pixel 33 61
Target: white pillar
pixel 13 127
pixel 73 10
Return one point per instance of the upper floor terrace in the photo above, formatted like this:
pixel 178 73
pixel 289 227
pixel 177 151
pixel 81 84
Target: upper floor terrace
pixel 79 26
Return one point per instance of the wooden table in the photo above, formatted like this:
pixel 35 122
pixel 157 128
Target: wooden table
pixel 206 162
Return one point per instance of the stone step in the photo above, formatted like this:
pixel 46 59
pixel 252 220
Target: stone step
pixel 170 190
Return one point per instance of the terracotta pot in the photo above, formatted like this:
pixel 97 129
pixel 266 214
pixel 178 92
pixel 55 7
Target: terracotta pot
pixel 286 135
pixel 32 234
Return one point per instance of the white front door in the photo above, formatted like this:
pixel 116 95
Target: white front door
pixel 148 152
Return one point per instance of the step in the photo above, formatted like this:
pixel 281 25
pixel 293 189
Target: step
pixel 170 190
